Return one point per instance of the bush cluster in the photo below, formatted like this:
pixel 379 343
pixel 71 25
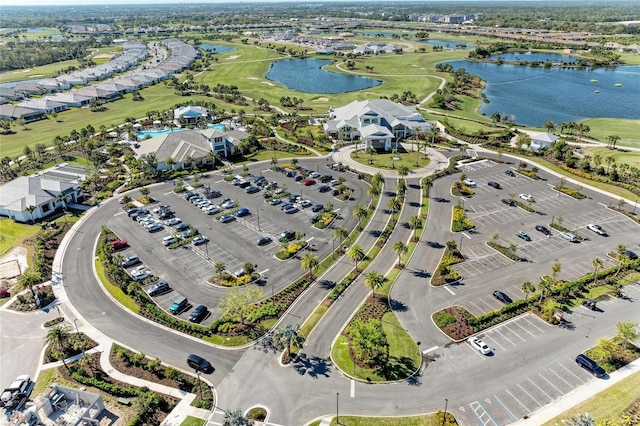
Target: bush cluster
pixel 504 250
pixel 570 192
pixel 460 221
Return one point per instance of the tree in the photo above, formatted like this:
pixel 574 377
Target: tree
pixel 219 267
pixel 401 187
pixel 401 249
pixel 373 191
pixel 286 336
pixel 145 191
pixel 415 222
pixel 583 419
pixel 238 302
pixel 527 287
pixel 356 254
pixel 360 212
pixel 597 264
pixel 369 341
pixel 340 233
pixel 555 270
pixel 308 262
pixel 58 336
pixel 377 180
pixel 28 280
pixel 549 309
pixel 550 126
pixel 627 332
pixel 603 350
pixel 374 280
pixel 621 251
pixel 403 170
pixel 543 287
pixel 236 418
pixel 30 209
pixel 393 205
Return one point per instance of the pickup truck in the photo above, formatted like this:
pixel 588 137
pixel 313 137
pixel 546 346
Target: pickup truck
pixel 15 395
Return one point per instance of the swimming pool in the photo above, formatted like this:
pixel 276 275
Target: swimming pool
pixel 155 133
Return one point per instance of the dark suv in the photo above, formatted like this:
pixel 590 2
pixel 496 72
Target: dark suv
pixel 502 297
pixel 543 229
pixel 198 313
pixel 199 364
pixel 590 365
pixel 287 235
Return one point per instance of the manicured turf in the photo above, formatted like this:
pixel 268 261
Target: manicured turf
pixel 13 234
pixel 628 130
pixel 631 158
pixel 423 420
pixel 607 404
pixel 193 421
pixel 384 160
pixel 115 291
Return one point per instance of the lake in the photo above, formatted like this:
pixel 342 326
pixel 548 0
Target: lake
pixel 534 57
pixel 212 48
pixel 534 95
pixel 447 44
pixel 309 76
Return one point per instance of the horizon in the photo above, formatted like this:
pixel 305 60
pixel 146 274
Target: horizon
pixel 30 3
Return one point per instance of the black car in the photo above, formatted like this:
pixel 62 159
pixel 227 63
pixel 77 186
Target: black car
pixel 508 202
pixel 182 227
pixel 325 178
pixel 252 189
pixel 631 255
pixel 199 364
pixel 494 184
pixel 315 218
pixel 335 192
pixel 543 229
pixel 317 208
pixel 324 188
pixel 287 235
pixel 510 173
pixel 264 240
pixel 590 365
pixel 502 297
pixel 133 211
pixel 198 313
pixel 160 287
pixel 165 215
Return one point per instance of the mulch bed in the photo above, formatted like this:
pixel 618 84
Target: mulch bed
pixel 460 329
pixel 26 302
pixel 69 350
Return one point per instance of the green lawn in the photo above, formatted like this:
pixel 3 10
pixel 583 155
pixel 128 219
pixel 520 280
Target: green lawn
pixel 13 234
pixel 608 404
pixel 632 158
pixel 193 421
pixel 44 71
pixel 422 420
pixel 384 160
pixel 115 291
pixel 628 130
pixel 267 155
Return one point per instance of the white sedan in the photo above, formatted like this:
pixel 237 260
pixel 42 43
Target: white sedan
pixel 479 345
pixel 172 221
pixel 597 229
pixel 469 182
pixel 526 197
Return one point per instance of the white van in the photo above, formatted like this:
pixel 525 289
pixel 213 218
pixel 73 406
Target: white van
pixel 167 241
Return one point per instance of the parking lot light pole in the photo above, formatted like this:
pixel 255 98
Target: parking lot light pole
pixel 444 418
pixel 337 406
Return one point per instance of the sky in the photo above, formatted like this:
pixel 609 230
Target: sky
pixel 100 2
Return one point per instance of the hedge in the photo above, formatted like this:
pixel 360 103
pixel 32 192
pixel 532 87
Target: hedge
pixel 109 388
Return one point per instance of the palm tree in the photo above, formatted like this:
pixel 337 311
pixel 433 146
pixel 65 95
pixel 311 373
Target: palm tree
pixel 356 253
pixel 58 336
pixel 550 126
pixel 401 187
pixel 308 262
pixel 609 160
pixel 30 209
pixel 543 287
pixel 377 180
pixel 394 206
pixel 527 287
pixel 597 264
pixel 286 336
pixel 555 270
pixel 340 233
pixel 235 418
pixel 374 280
pixel 401 249
pixel 170 162
pixel 403 170
pixel 373 191
pixel 29 280
pixel 415 222
pixel 360 212
pixel 621 251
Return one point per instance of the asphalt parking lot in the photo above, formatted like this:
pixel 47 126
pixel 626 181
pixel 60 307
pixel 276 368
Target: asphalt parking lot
pixel 188 267
pixel 491 216
pixel 516 341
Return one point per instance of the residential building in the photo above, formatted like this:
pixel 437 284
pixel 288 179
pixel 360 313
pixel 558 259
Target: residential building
pixel 542 140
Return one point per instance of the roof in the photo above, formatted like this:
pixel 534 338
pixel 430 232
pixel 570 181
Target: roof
pixel 544 137
pixel 177 145
pixel 375 130
pixel 190 111
pixel 15 111
pixel 35 190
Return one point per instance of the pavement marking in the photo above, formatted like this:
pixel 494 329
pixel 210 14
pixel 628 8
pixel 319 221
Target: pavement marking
pixel 505 407
pixel 529 395
pixel 167 193
pixel 466 235
pixel 571 372
pixel 518 401
pixel 540 389
pixel 262 272
pixel 533 325
pixel 446 287
pixel 484 412
pixel 560 377
pixel 494 341
pixel 353 388
pixel 517 335
pixel 552 385
pixel 431 349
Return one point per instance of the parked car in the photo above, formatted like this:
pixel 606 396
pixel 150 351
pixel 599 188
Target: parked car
pixel 494 184
pixel 479 345
pixel 508 202
pixel 324 188
pixel 526 197
pixel 119 244
pixel 211 209
pixel 160 208
pixel 179 305
pixel 286 206
pixel 199 364
pixel 154 227
pixel 198 314
pixel 242 212
pixel 469 182
pixel 227 218
pixel 305 203
pixel 182 227
pixel 228 204
pixel 543 229
pixel 252 189
pixel 326 178
pixel 140 273
pixel 165 214
pixel 590 365
pixel 317 207
pixel 334 182
pixel 158 288
pixel 523 235
pixel 291 210
pixel 510 173
pixel 275 202
pixel 172 221
pixel 264 240
pixel 167 241
pixel 569 237
pixel 309 182
pixel 335 192
pixel 597 229
pixel 133 211
pixel 200 239
pixel 130 261
pixel 314 175
pixel 315 218
pixel 298 177
pixel 237 181
pixel 16 394
pixel 189 233
pixel 631 255
pixel 278 191
pixel 501 296
pixel 287 235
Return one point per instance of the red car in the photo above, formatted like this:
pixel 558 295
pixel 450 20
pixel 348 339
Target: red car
pixel 309 182
pixel 119 244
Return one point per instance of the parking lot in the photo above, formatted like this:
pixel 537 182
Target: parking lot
pixel 498 221
pixel 234 243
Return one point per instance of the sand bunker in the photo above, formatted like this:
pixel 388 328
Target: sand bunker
pixel 103 56
pixel 252 78
pixel 233 57
pixel 323 99
pixel 268 83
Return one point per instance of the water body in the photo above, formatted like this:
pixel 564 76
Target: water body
pixel 213 48
pixel 534 95
pixel 378 34
pixel 36 30
pixel 447 44
pixel 534 57
pixel 309 76
pixel 155 133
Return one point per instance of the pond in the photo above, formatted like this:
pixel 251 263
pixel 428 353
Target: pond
pixel 379 34
pixel 145 134
pixel 447 44
pixel 213 48
pixel 534 95
pixel 534 57
pixel 309 76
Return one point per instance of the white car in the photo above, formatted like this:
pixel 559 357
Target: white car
pixel 314 175
pixel 211 209
pixel 228 205
pixel 155 227
pixel 479 345
pixel 140 273
pixel 526 197
pixel 597 229
pixel 569 237
pixel 200 239
pixel 469 182
pixel 167 241
pixel 278 191
pixel 172 221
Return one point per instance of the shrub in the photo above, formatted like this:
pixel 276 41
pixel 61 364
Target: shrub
pixel 442 319
pixel 460 221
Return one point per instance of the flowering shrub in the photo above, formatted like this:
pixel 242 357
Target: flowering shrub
pixel 460 221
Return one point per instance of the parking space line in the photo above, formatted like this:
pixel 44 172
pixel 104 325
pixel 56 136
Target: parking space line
pixel 552 385
pixel 486 336
pixel 527 331
pixel 529 395
pixel 498 331
pixel 446 287
pixel 518 401
pixel 560 377
pixel 517 335
pixel 540 389
pixel 571 372
pixel 475 411
pixel 505 407
pixel 533 325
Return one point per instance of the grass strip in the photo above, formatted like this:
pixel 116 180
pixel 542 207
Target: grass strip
pixel 114 290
